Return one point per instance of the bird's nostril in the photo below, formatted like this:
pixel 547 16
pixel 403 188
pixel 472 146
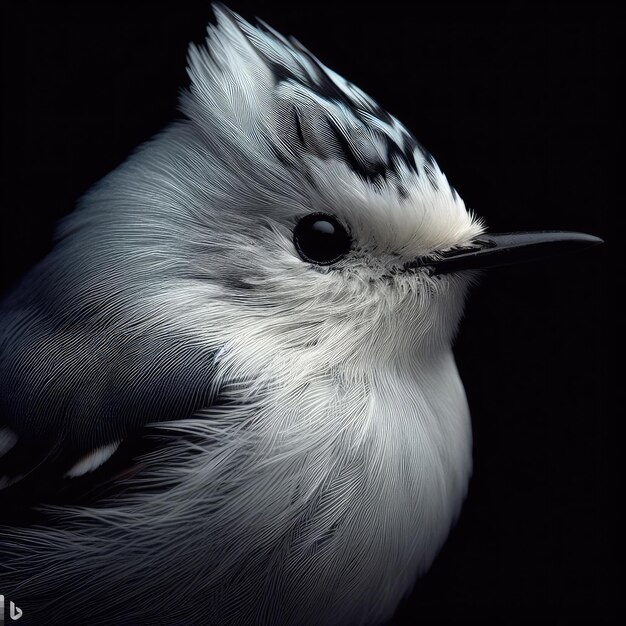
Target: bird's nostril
pixel 477 244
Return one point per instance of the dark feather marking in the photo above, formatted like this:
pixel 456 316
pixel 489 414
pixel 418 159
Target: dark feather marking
pixel 372 172
pixel 93 386
pixel 381 114
pixel 410 145
pixel 283 159
pixel 322 84
pixel 280 156
pixel 45 482
pixel 236 283
pixel 394 151
pixel 298 125
pixel 431 177
pixel 428 157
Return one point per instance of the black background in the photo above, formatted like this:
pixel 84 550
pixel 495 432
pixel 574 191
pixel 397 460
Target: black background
pixel 518 103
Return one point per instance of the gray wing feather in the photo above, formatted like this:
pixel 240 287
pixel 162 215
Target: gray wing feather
pixel 69 387
pixel 91 387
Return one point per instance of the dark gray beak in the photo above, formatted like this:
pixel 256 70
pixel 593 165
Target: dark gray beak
pixel 507 249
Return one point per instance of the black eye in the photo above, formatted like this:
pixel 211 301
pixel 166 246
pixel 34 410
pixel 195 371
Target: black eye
pixel 321 239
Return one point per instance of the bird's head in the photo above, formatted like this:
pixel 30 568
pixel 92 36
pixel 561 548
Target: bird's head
pixel 290 207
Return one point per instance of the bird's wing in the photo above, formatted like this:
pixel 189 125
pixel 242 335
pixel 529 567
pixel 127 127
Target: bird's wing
pixel 76 404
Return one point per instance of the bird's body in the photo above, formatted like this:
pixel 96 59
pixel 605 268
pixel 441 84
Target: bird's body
pixel 343 460
pixel 312 440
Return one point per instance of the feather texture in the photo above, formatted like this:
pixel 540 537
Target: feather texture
pixel 316 442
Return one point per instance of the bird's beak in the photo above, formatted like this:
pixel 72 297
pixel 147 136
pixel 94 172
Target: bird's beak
pixel 505 249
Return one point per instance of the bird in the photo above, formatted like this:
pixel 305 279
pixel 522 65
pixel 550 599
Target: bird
pixel 228 393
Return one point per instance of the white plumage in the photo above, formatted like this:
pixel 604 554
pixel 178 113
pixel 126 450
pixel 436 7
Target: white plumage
pixel 315 441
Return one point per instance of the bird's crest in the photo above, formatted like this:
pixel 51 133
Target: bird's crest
pixel 254 88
